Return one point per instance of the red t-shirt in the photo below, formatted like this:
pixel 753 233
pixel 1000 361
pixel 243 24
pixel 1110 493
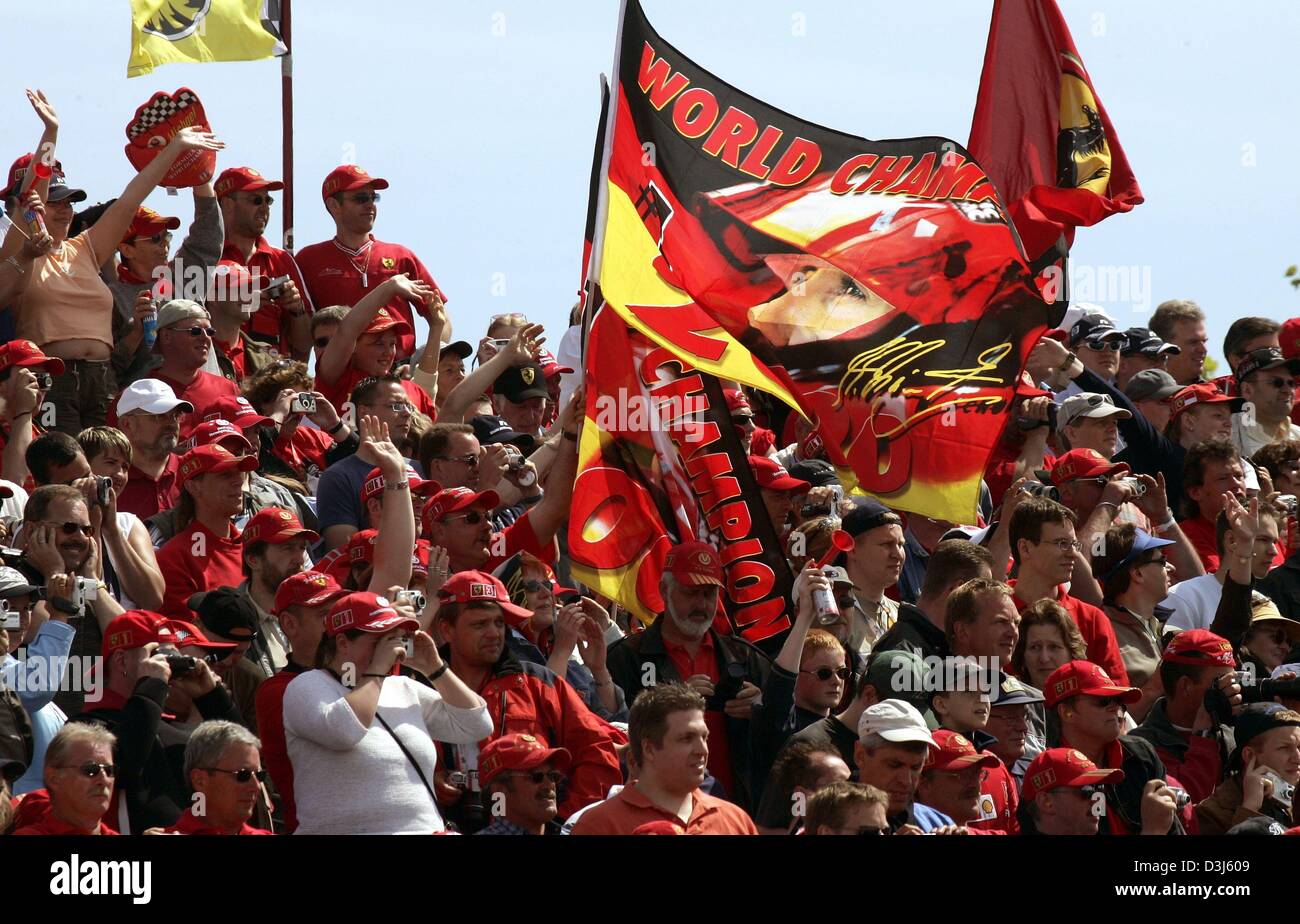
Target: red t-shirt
pixel 189 824
pixel 275 749
pixel 145 496
pixel 267 323
pixel 202 393
pixel 336 275
pixel 198 559
pixel 1097 632
pixel 339 392
pixel 706 662
pixel 307 446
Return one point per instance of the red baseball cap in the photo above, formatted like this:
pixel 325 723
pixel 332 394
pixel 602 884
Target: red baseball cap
pixel 134 629
pixel 737 402
pixel 1057 767
pixel 216 432
pixel 19 169
pixel 367 612
pixel 373 486
pixel 1081 463
pixel 325 564
pixel 186 633
pixel 517 752
pixel 420 556
pixel 1083 678
pixel 236 278
pixel 243 179
pixel 26 353
pixel 1199 647
pixel 238 410
pixel 347 178
pixel 694 563
pixel 147 223
pixel 276 526
pixel 1288 337
pixel 306 588
pixel 214 458
pixel 451 500
pixel 384 320
pixel 772 475
pixel 361 546
pixel 955 752
pixel 480 587
pixel 1201 393
pixel 550 365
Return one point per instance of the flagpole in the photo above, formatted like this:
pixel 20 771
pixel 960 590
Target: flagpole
pixel 286 131
pixel 602 190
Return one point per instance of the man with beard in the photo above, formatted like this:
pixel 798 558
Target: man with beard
pixel 245 200
pixel 521 697
pixel 79 774
pixel 206 551
pixel 354 263
pixel 149 413
pixel 520 776
pixel 57 540
pixel 681 646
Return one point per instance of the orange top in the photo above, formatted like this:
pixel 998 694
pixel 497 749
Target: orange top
pixel 630 809
pixel 66 299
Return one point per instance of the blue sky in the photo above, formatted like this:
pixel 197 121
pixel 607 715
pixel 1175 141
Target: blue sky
pixel 482 116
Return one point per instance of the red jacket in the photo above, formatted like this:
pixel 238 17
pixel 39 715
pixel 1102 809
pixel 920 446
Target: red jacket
pixel 526 697
pixel 1097 632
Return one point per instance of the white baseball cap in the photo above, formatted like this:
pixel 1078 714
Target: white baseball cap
pixel 896 721
pixel 152 396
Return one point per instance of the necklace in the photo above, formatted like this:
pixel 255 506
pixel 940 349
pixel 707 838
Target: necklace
pixel 364 268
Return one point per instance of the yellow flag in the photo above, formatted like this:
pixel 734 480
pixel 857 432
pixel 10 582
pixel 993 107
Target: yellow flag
pixel 165 31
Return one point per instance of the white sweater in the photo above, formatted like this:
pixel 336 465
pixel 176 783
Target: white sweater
pixel 348 779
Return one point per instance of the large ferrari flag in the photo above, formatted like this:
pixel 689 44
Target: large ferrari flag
pixel 876 286
pixel 168 31
pixel 1041 132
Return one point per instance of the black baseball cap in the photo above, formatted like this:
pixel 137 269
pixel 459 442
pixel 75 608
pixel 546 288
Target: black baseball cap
pixel 817 472
pixel 1257 718
pixel 1264 359
pixel 867 514
pixel 226 612
pixel 491 430
pixel 1146 342
pixel 520 383
pixel 1094 327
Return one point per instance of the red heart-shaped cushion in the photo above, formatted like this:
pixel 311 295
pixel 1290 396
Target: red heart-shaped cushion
pixel 156 123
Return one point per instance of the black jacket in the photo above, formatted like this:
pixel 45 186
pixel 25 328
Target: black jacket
pixel 150 753
pixel 638 662
pixel 913 632
pixel 1282 586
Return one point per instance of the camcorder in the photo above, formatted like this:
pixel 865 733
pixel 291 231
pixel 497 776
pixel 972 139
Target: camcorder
pixel 724 691
pixel 1216 701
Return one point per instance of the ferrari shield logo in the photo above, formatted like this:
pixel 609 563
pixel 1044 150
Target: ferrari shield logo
pixel 388 262
pixel 528 375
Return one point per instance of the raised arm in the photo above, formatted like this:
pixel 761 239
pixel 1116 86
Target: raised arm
pixel 522 348
pixel 334 359
pixel 397 523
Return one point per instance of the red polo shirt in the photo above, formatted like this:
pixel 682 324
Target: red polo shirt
pixel 198 559
pixel 1097 632
pixel 145 496
pixel 267 323
pixel 336 275
pixel 236 353
pixel 339 392
pixel 630 809
pixel 999 800
pixel 706 662
pixel 189 824
pixel 202 393
pixel 51 825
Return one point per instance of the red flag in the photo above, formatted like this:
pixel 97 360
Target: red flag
pixel 1041 133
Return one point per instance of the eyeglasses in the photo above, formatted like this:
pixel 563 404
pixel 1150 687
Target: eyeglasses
pixel 1064 545
pixel 1282 384
pixel 1105 346
pixel 539 776
pixel 473 518
pixel 90 769
pixel 242 775
pixel 163 237
pixel 1158 560
pixel 535 586
pixel 71 529
pixel 397 407
pixel 1105 702
pixel 257 198
pixel 826 673
pixel 195 331
pixel 363 198
pixel 471 460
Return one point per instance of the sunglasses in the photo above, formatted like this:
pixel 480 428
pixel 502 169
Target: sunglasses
pixel 258 198
pixel 473 518
pixel 1283 384
pixel 192 331
pixel 363 198
pixel 535 586
pixel 242 775
pixel 71 529
pixel 540 776
pixel 1105 346
pixel 826 673
pixel 470 460
pixel 163 237
pixel 90 770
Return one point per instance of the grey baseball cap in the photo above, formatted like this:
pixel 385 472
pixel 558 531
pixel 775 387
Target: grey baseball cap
pixel 13 584
pixel 1151 384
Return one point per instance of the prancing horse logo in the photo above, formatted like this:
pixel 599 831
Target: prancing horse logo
pixel 177 19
